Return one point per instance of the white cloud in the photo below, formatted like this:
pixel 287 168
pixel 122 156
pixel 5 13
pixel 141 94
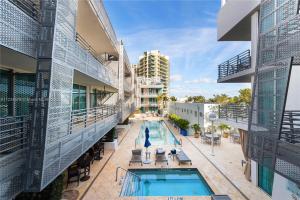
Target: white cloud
pixel 192 51
pixel 176 77
pixel 201 80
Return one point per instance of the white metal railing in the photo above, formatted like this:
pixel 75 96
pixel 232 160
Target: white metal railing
pixel 85 117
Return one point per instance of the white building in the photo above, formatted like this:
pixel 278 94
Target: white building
pixel 148 91
pixel 195 113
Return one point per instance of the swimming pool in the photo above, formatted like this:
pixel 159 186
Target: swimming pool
pixel 159 134
pixel 165 182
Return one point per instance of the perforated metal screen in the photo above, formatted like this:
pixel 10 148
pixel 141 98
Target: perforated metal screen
pixel 279 41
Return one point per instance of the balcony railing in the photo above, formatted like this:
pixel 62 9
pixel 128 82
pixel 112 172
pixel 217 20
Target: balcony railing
pixel 85 117
pixel 290 131
pixel 13 133
pixel 29 7
pixel 238 113
pixel 95 66
pixel 234 65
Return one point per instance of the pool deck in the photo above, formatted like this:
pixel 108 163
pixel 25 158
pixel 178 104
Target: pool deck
pixel 216 172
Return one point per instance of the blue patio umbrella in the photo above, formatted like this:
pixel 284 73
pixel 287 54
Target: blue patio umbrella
pixel 147 142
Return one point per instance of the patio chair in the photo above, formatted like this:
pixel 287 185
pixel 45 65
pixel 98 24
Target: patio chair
pixel 160 156
pixel 73 174
pixel 183 158
pixel 136 157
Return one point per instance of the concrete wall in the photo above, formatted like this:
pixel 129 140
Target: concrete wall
pixel 292 102
pixel 284 189
pixel 195 113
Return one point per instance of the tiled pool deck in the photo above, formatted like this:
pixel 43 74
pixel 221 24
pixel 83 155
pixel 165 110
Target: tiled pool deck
pixel 227 159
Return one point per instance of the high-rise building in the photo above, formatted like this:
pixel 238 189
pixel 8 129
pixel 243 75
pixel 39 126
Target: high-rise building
pixel 154 64
pixel 65 82
pixel 270 126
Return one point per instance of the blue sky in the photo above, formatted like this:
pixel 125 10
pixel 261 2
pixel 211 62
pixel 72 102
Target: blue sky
pixel 186 31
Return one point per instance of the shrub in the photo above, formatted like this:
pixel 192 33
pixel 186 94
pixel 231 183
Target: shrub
pixel 183 124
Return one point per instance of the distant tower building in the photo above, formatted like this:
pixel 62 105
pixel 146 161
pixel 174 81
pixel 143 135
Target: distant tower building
pixel 154 64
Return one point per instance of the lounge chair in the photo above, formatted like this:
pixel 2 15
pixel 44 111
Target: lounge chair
pixel 183 158
pixel 136 157
pixel 160 156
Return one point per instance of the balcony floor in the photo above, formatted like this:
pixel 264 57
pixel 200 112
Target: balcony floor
pixel 105 187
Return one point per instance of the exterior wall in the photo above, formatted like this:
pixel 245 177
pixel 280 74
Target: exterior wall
pixel 144 96
pixel 254 173
pixel 195 113
pixel 285 189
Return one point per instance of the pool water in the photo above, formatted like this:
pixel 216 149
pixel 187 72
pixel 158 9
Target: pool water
pixel 159 134
pixel 165 182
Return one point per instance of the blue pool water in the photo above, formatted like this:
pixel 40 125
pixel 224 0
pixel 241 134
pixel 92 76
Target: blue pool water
pixel 159 134
pixel 165 182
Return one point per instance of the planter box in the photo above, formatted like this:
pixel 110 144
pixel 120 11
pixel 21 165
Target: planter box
pixel 111 145
pixel 183 132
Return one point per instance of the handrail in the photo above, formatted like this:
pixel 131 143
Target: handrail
pixel 234 65
pixel 117 170
pixel 29 7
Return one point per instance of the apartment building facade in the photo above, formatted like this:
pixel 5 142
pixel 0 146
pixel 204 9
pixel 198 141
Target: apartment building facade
pixel 271 67
pixel 65 81
pixel 154 64
pixel 149 91
pixel 195 113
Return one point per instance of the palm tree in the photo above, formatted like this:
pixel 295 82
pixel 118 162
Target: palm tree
pixel 223 127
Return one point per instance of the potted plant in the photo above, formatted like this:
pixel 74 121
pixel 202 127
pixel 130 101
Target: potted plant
pixel 183 125
pixel 224 128
pixel 197 130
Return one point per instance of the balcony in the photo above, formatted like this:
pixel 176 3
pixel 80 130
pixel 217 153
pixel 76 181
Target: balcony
pixel 92 65
pixel 290 131
pixel 29 7
pixel 93 24
pixel 83 118
pixel 19 35
pixel 234 115
pixel 149 95
pixel 237 69
pixel 127 86
pixel 14 133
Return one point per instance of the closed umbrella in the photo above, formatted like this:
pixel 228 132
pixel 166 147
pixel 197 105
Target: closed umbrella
pixel 147 144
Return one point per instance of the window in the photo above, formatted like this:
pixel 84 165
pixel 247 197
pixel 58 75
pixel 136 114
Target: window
pixel 200 114
pixel 195 113
pixel 79 97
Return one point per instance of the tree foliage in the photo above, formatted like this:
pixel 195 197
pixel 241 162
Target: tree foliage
pixel 172 98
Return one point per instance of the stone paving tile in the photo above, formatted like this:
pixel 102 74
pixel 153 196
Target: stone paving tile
pixel 105 187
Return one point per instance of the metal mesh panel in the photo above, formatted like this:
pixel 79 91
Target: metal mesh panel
pixel 18 31
pixel 12 174
pixel 278 42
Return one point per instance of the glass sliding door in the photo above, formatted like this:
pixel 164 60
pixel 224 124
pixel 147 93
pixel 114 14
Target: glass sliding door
pixel 78 97
pixel 265 179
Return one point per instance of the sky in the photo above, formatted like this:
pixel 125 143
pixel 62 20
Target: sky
pixel 184 30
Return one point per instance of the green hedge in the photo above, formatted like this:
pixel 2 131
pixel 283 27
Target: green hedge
pixel 181 123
